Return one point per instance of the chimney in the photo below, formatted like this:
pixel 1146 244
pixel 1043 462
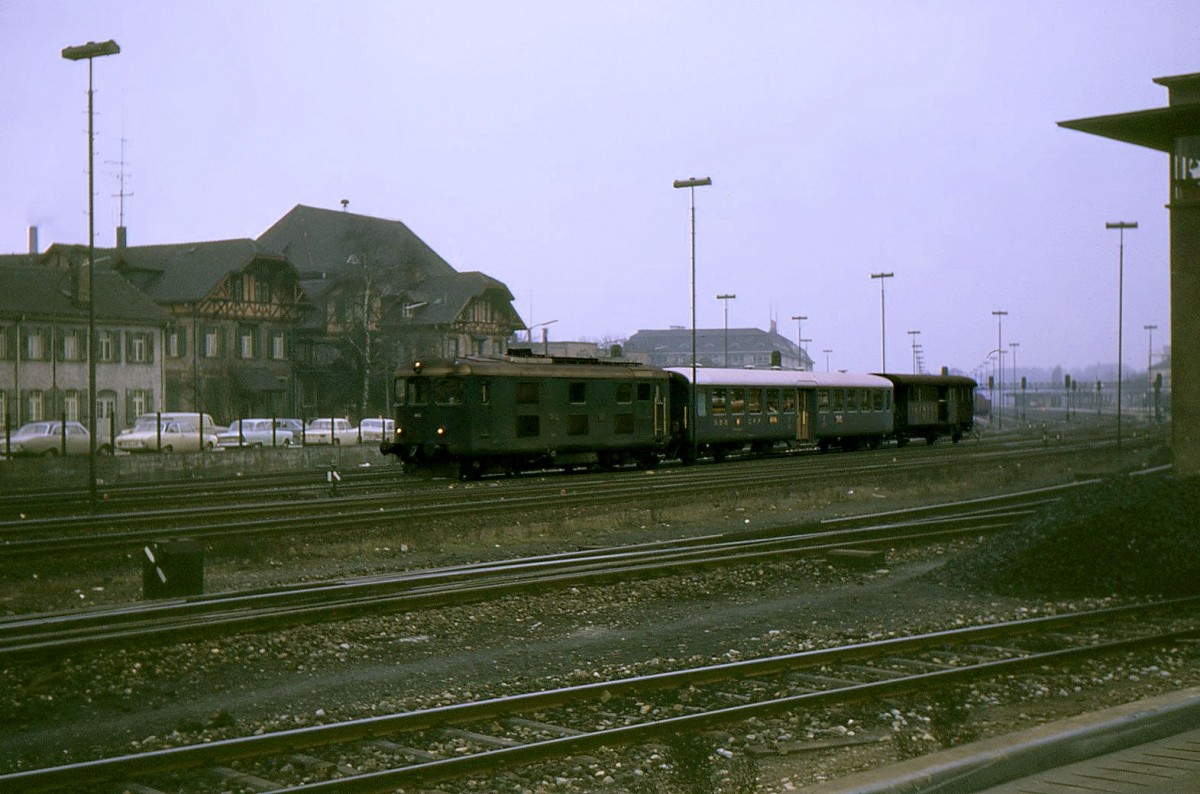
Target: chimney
pixel 33 242
pixel 121 237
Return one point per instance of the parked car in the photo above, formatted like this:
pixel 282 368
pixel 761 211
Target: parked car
pixel 377 429
pixel 296 426
pixel 46 438
pixel 318 432
pixel 173 436
pixel 151 420
pixel 255 433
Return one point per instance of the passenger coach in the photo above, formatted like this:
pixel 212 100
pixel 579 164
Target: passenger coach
pixel 739 408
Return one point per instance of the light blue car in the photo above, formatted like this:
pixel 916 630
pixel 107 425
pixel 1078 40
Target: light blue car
pixel 255 433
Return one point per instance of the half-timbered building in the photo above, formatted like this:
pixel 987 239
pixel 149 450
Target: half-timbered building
pixel 232 307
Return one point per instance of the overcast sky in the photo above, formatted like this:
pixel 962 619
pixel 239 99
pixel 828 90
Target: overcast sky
pixel 537 142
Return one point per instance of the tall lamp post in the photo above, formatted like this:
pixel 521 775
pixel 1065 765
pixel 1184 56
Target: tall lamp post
pixel 727 299
pixel 1016 413
pixel 799 318
pixel 691 184
pixel 89 52
pixel 1120 226
pixel 914 334
pixel 1150 329
pixel 882 319
pixel 1000 371
pixel 827 351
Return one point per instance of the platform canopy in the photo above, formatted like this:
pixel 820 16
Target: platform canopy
pixel 1158 128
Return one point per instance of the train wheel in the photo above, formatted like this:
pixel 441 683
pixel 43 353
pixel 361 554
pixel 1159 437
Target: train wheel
pixel 902 441
pixel 823 445
pixel 931 438
pixel 956 436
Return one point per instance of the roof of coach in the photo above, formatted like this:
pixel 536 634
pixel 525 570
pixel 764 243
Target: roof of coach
pixel 929 380
pixel 531 367
pixel 716 376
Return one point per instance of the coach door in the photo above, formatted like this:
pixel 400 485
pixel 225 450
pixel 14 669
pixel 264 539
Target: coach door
pixel 660 412
pixel 803 432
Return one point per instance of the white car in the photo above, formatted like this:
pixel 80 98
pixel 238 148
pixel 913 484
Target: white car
pixel 46 438
pixel 377 429
pixel 255 433
pixel 319 432
pixel 167 437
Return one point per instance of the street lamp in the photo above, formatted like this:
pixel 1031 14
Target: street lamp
pixel 914 334
pixel 1000 376
pixel 1150 329
pixel 1121 226
pixel 827 351
pixel 89 52
pixel 799 318
pixel 691 184
pixel 882 319
pixel 1014 346
pixel 726 298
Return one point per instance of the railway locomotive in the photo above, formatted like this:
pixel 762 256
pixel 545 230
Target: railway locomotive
pixel 507 414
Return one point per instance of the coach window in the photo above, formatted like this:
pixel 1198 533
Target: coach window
pixel 718 402
pixel 772 401
pixel 737 401
pixel 577 394
pixel 877 399
pixel 756 401
pixel 528 393
pixel 836 399
pixel 789 402
pixel 625 393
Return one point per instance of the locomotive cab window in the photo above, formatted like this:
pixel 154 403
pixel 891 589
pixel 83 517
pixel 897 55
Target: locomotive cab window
pixel 643 392
pixel 447 391
pixel 418 392
pixel 400 391
pixel 577 393
pixel 625 393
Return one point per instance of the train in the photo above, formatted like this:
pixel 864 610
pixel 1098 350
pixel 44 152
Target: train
pixel 519 412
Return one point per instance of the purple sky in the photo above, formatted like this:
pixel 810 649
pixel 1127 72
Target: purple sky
pixel 537 142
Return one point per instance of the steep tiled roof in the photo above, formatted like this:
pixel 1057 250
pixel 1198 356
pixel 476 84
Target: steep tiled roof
pixel 45 293
pixel 442 299
pixel 320 241
pixel 185 272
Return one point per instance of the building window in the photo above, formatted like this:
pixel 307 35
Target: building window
pixel 72 345
pixel 140 402
pixel 35 405
pixel 108 346
pixel 278 345
pixel 4 337
pixel 71 405
pixel 139 348
pixel 176 341
pixel 212 342
pixel 245 342
pixel 35 345
pixel 106 408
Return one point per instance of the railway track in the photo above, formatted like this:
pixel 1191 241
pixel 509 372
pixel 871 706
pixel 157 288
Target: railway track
pixel 211 519
pixel 482 738
pixel 55 634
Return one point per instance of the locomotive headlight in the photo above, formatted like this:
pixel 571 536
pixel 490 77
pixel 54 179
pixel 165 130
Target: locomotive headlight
pixel 441 431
